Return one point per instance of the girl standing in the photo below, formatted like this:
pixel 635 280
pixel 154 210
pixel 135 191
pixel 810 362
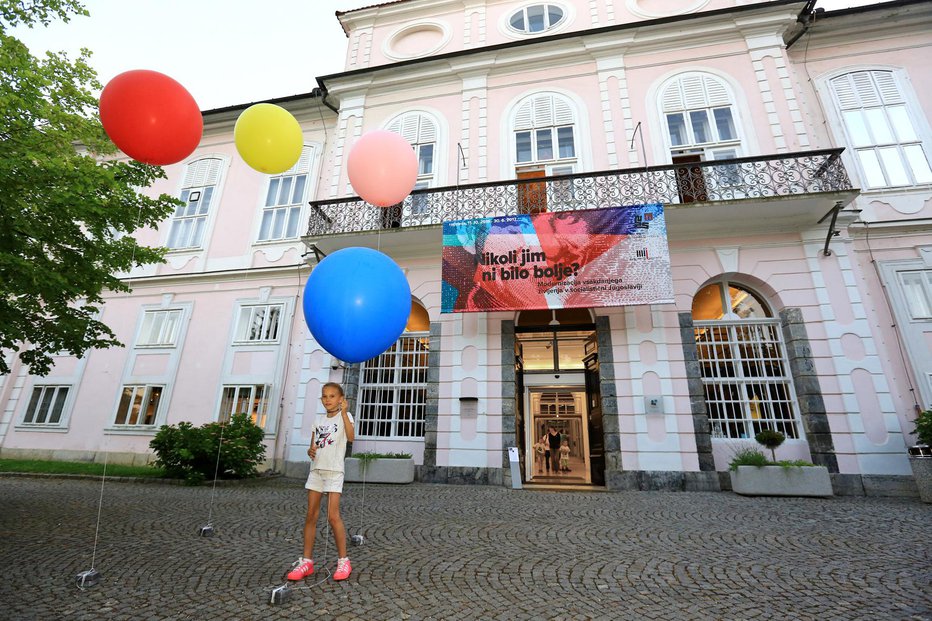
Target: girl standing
pixel 327 451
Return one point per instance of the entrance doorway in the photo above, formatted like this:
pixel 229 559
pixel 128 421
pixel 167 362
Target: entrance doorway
pixel 563 410
pixel 557 386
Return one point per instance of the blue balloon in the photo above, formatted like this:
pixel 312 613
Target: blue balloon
pixel 356 303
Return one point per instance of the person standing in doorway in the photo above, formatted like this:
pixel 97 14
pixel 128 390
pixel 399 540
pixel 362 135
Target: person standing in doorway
pixel 553 441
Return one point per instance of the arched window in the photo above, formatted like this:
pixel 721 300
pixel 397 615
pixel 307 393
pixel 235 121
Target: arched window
pixel 744 367
pixel 545 134
pixel 699 118
pixel 198 189
pixel 284 199
pixel 393 385
pixel 421 131
pixel 880 127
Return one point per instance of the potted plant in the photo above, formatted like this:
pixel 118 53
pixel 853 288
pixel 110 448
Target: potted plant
pixel 752 474
pixel 920 455
pixel 370 467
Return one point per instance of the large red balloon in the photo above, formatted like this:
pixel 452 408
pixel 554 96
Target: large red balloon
pixel 151 117
pixel 382 168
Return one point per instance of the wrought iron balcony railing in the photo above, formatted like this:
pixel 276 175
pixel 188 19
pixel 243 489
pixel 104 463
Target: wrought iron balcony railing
pixel 787 174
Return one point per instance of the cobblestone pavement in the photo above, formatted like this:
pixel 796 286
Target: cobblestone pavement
pixel 461 552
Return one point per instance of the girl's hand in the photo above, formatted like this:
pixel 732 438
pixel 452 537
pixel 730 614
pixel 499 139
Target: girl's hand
pixel 312 451
pixel 345 406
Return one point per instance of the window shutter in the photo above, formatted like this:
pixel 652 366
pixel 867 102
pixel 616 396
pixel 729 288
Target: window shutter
pixel 543 111
pixel 563 113
pixel 409 128
pixel 303 164
pixel 395 126
pixel 672 98
pixel 845 93
pixel 523 118
pixel 203 173
pixel 428 131
pixel 717 94
pixel 865 89
pixel 693 92
pixel 886 84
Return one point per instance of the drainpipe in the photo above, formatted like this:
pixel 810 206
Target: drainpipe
pixel 806 17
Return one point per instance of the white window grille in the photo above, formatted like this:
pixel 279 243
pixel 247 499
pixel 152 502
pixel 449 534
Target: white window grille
pixel 544 130
pixel 745 373
pixel 252 400
pixel 393 390
pixel 259 323
pixel 46 405
pixel 880 128
pixel 284 199
pixel 536 18
pixel 190 219
pixel 139 405
pixel 159 328
pixel 917 288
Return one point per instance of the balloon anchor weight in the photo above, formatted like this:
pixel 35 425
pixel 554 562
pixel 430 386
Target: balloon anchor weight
pixel 280 594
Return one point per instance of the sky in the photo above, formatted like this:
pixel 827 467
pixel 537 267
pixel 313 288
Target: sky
pixel 225 52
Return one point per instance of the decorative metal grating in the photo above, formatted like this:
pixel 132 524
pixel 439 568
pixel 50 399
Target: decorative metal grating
pixel 787 174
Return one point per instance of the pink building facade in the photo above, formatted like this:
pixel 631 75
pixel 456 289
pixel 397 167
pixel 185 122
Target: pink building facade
pixel 790 147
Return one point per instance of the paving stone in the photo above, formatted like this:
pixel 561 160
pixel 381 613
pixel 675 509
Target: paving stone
pixel 461 552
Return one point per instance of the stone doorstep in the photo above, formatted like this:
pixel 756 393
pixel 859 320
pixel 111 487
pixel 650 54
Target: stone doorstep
pixel 779 481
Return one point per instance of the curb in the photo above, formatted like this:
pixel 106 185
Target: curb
pixel 124 479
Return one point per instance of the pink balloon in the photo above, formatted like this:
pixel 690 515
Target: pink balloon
pixel 382 168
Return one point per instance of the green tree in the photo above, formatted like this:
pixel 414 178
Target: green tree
pixel 67 211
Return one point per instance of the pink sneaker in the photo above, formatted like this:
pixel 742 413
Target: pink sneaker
pixel 343 569
pixel 302 568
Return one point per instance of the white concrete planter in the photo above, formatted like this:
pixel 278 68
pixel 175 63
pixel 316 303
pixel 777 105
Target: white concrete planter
pixel 922 472
pixel 379 470
pixel 780 481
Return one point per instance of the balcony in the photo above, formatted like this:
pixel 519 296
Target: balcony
pixel 771 193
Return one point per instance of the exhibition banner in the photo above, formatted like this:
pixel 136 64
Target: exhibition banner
pixel 614 256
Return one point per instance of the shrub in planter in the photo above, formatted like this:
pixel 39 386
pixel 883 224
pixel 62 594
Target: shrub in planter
pixel 752 474
pixel 190 453
pixel 923 428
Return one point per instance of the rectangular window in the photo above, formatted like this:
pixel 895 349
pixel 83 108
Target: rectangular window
pixel 259 324
pixel 725 124
pixel 45 406
pixel 523 146
pixel 425 159
pixel 917 288
pixel 139 405
pixel 159 328
pixel 190 219
pixel 393 390
pixel 281 215
pixel 250 400
pixel 676 123
pixel 699 119
pixel 565 142
pixel 544 144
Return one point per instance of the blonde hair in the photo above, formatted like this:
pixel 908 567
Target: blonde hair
pixel 332 385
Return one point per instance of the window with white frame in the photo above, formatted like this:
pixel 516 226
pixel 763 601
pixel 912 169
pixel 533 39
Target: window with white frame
pixel 46 405
pixel 744 367
pixel 259 323
pixel 284 199
pixel 917 288
pixel 699 117
pixel 252 400
pixel 536 18
pixel 545 133
pixel 393 390
pixel 198 189
pixel 139 405
pixel 880 127
pixel 159 328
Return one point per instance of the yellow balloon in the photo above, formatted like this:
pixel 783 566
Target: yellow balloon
pixel 268 138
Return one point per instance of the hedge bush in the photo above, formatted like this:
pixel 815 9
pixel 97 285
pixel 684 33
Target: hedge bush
pixel 190 453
